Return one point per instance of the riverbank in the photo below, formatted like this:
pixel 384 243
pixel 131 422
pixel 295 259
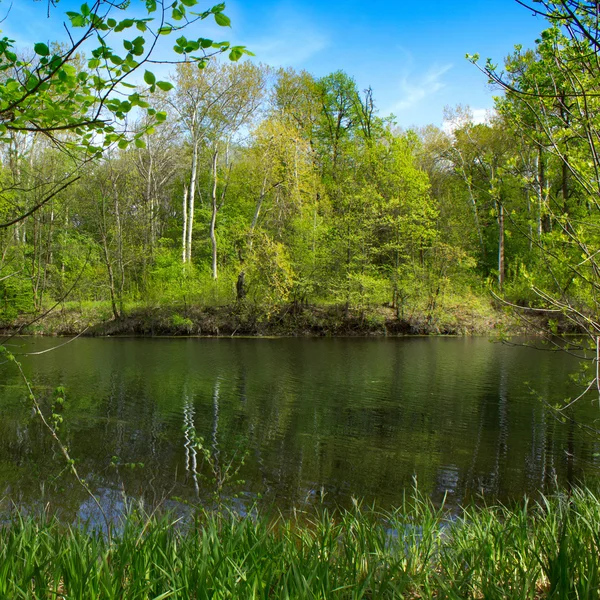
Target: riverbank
pixel 477 317
pixel 534 551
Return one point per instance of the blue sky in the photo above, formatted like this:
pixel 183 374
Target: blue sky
pixel 410 53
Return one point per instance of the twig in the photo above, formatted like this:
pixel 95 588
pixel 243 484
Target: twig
pixel 64 450
pixel 53 347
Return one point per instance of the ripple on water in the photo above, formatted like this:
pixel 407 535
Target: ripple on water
pixel 347 417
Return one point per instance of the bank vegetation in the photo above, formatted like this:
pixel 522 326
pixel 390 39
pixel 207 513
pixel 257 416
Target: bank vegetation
pixel 545 549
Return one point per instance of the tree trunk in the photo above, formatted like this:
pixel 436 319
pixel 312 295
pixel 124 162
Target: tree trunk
pixel 500 246
pixel 469 185
pixel 107 262
pixel 213 218
pixel 185 219
pixel 150 201
pixel 191 197
pixel 121 262
pixel 241 281
pixel 240 286
pixel 544 225
pixel 36 262
pixel 565 186
pixel 111 279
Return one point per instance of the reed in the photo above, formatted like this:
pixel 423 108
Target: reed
pixel 547 549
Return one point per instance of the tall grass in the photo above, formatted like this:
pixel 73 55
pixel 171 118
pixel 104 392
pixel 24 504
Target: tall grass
pixel 549 549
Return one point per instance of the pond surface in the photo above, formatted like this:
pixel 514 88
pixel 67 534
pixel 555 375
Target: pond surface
pixel 293 420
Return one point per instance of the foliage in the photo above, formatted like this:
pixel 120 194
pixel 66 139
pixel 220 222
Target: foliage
pixel 551 105
pixel 548 549
pixel 53 92
pixel 270 188
pixel 80 103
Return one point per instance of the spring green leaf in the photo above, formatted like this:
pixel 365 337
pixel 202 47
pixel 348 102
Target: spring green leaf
pixel 41 49
pixel 222 20
pixel 149 78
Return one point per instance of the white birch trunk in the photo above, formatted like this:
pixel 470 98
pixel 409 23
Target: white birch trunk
pixel 213 218
pixel 191 197
pixel 185 219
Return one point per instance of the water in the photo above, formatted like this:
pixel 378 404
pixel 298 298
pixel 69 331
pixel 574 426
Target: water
pixel 314 419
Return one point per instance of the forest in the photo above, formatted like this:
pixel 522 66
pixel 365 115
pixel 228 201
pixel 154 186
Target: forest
pixel 260 190
pixel 229 197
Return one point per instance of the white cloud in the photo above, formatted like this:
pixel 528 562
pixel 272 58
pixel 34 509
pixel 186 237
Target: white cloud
pixel 291 40
pixel 415 88
pixel 477 116
pixel 481 115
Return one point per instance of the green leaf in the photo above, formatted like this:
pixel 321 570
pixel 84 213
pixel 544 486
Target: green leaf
pixel 189 3
pixel 165 30
pixel 165 86
pixel 76 19
pixel 41 49
pixel 222 20
pixel 236 54
pixel 149 78
pixel 124 24
pixel 140 143
pixel 131 62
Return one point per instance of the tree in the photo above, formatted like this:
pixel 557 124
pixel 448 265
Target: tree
pixel 275 191
pixel 552 95
pixel 214 105
pixel 481 155
pixel 81 108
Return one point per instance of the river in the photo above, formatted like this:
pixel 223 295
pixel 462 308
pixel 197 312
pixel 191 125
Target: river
pixel 292 421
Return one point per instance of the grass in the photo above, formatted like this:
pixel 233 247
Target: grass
pixel 549 549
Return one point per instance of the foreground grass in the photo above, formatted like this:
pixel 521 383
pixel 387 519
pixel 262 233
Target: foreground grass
pixel 547 550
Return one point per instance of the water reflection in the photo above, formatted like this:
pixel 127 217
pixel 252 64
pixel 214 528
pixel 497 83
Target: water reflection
pixel 334 418
pixel 191 448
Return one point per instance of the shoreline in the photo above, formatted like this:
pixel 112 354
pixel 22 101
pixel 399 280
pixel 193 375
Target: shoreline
pixel 250 321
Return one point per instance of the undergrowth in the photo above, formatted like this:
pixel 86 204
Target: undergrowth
pixel 549 549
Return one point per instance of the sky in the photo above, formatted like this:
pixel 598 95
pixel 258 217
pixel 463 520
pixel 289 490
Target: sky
pixel 411 53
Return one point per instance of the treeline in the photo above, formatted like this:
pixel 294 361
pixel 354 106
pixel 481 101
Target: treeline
pixel 270 187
